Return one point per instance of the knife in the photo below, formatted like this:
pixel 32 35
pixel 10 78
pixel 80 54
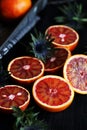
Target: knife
pixel 25 25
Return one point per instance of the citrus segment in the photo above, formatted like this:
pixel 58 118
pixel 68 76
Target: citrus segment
pixel 75 72
pixel 14 95
pixel 26 69
pixel 52 93
pixel 57 60
pixel 64 36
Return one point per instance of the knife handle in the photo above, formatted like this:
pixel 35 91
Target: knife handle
pixel 16 36
pixel 23 27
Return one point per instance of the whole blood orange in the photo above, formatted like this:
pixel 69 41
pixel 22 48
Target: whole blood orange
pixel 26 69
pixel 57 60
pixel 64 36
pixel 52 93
pixel 12 9
pixel 13 95
pixel 75 72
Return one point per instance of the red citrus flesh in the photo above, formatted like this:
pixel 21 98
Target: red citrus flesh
pixel 64 36
pixel 52 93
pixel 26 69
pixel 13 95
pixel 57 60
pixel 75 72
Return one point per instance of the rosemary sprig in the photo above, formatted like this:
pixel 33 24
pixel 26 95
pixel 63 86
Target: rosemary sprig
pixel 28 120
pixel 73 15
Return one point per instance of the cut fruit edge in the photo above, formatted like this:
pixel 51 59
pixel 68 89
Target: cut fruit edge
pixel 60 66
pixel 28 80
pixel 57 108
pixel 70 46
pixel 23 106
pixel 65 76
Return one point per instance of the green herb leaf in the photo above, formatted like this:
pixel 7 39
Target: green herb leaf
pixel 73 15
pixel 27 118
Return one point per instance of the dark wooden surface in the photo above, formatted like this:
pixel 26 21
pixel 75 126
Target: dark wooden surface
pixel 74 117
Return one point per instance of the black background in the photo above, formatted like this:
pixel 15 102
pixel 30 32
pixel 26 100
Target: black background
pixel 74 117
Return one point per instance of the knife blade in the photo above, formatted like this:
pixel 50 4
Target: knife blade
pixel 25 25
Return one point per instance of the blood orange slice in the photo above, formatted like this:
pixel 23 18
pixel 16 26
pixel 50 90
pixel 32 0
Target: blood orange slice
pixel 26 69
pixel 75 72
pixel 14 95
pixel 52 93
pixel 64 36
pixel 57 60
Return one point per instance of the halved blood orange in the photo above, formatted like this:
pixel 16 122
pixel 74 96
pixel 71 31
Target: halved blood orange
pixel 52 93
pixel 26 69
pixel 13 95
pixel 64 36
pixel 75 72
pixel 57 60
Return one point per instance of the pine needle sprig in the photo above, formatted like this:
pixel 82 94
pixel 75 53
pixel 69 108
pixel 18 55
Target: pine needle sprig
pixel 73 15
pixel 28 120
